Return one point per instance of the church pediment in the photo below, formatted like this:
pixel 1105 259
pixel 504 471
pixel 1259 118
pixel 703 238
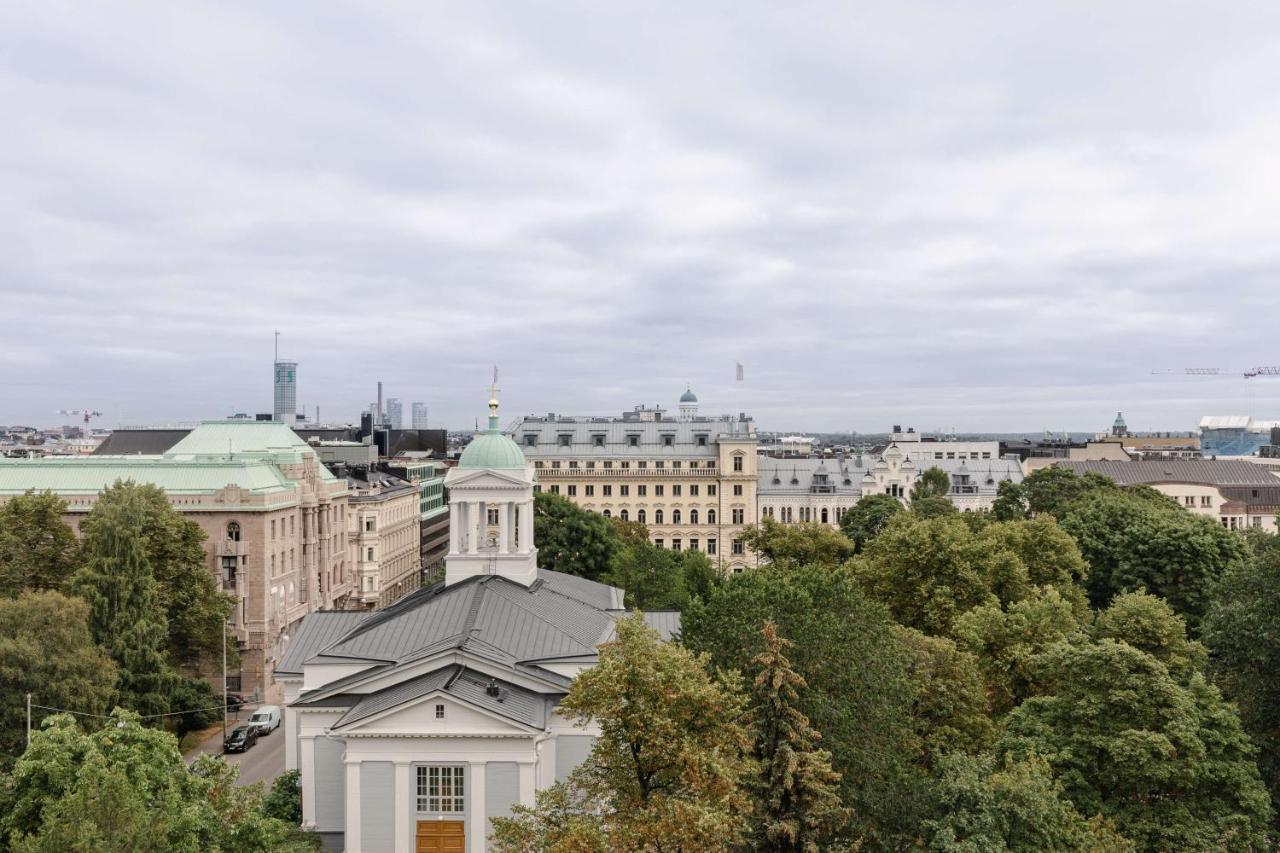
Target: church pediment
pixel 486 479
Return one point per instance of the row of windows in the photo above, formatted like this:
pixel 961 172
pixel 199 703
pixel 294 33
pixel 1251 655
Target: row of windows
pixel 658 516
pixel 1205 500
pixel 625 464
pixel 788 515
pixel 677 544
pixel 599 439
pixel 951 454
pixel 642 490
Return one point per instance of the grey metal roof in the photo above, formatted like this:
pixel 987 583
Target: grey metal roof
pixel 514 702
pixel 853 468
pixel 616 441
pixel 665 622
pixel 147 442
pixel 1211 472
pixel 318 630
pixel 494 617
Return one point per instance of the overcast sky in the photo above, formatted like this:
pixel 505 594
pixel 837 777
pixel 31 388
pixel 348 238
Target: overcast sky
pixel 981 215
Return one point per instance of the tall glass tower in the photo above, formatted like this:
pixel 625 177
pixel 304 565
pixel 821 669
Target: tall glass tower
pixel 286 397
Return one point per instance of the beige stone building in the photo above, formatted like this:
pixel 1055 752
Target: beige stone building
pixel 384 532
pixel 691 480
pixel 275 518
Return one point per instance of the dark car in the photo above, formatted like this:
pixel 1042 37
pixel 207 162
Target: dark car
pixel 241 739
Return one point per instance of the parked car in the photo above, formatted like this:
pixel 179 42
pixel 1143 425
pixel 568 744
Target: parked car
pixel 234 701
pixel 241 739
pixel 266 719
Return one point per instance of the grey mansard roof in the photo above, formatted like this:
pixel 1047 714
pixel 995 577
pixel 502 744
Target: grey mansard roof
pixel 616 434
pixel 1213 472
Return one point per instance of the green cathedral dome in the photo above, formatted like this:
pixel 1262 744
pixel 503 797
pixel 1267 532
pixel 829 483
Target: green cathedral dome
pixel 492 449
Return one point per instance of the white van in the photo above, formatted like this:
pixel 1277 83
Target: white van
pixel 266 719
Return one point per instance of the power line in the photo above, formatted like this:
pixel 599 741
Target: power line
pixel 143 716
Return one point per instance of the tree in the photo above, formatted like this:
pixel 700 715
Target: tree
pixel 1016 807
pixel 798 804
pixel 284 800
pixel 126 787
pixel 37 548
pixel 1052 490
pixel 652 577
pixel 669 768
pixel 124 616
pixel 932 506
pixel 1010 503
pixel 1050 554
pixel 933 482
pixel 929 571
pixel 46 650
pixel 196 610
pixel 1008 643
pixel 861 709
pixel 1167 762
pixel 1133 541
pixel 571 539
pixel 1149 624
pixel 1243 632
pixel 865 519
pixel 788 546
pixel 949 713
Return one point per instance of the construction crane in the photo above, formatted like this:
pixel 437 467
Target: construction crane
pixel 1251 373
pixel 88 413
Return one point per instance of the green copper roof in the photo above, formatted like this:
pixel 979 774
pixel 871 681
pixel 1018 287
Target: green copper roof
pixel 266 440
pixel 492 449
pixel 92 474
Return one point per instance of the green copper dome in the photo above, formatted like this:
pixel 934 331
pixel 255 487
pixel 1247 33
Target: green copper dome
pixel 492 449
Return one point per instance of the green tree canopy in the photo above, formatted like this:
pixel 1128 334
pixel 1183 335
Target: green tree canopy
pixel 571 539
pixel 1052 490
pixel 933 482
pixel 1167 762
pixel 126 787
pixel 950 708
pixel 1243 631
pixel 1149 624
pixel 861 709
pixel 1007 643
pixel 788 546
pixel 124 615
pixel 670 768
pixel 864 520
pixel 195 609
pixel 37 548
pixel 46 650
pixel 1017 807
pixel 1134 541
pixel 798 804
pixel 932 506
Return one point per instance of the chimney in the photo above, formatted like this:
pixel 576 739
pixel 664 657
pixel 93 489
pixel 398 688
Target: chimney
pixel 378 414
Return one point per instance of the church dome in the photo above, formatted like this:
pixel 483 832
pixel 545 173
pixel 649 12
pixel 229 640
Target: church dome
pixel 688 396
pixel 491 449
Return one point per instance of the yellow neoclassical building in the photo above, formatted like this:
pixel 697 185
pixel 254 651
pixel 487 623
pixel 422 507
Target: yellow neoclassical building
pixel 690 479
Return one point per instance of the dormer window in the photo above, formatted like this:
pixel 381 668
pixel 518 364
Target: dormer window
pixel 598 439
pixel 531 439
pixel 668 440
pixel 564 439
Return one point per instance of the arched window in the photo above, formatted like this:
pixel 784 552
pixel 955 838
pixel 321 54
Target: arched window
pixel 824 515
pixel 711 515
pixel 640 516
pixel 608 514
pixel 624 515
pixel 693 516
pixel 233 531
pixel 675 516
pixel 657 516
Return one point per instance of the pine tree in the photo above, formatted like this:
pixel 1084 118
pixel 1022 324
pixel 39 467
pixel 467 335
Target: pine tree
pixel 797 801
pixel 124 615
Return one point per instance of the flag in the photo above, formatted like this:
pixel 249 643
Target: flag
pixel 739 374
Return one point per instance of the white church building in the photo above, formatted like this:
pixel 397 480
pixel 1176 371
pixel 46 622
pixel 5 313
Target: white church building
pixel 414 726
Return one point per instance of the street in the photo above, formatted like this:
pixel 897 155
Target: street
pixel 262 763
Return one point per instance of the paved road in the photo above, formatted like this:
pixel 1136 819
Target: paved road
pixel 262 763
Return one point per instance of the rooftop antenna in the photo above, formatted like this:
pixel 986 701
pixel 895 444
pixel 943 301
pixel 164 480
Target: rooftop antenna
pixel 277 344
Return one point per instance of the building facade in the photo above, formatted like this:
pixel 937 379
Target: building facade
pixel 275 521
pixel 414 727
pixel 385 537
pixel 395 413
pixel 1236 493
pixel 285 406
pixel 420 416
pixel 691 480
pixel 428 472
pixel 1233 435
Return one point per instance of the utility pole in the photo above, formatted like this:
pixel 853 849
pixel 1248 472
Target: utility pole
pixel 28 719
pixel 224 680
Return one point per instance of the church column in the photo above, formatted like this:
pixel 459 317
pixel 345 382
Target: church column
pixel 504 527
pixel 351 838
pixel 403 814
pixel 525 514
pixel 474 530
pixel 454 529
pixel 479 822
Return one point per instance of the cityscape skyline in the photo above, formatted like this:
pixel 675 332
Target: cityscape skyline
pixel 988 217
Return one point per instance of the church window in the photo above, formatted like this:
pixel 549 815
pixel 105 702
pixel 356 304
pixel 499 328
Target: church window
pixel 439 712
pixel 441 789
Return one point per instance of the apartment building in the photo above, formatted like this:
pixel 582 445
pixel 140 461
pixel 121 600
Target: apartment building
pixel 385 536
pixel 275 518
pixel 691 479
